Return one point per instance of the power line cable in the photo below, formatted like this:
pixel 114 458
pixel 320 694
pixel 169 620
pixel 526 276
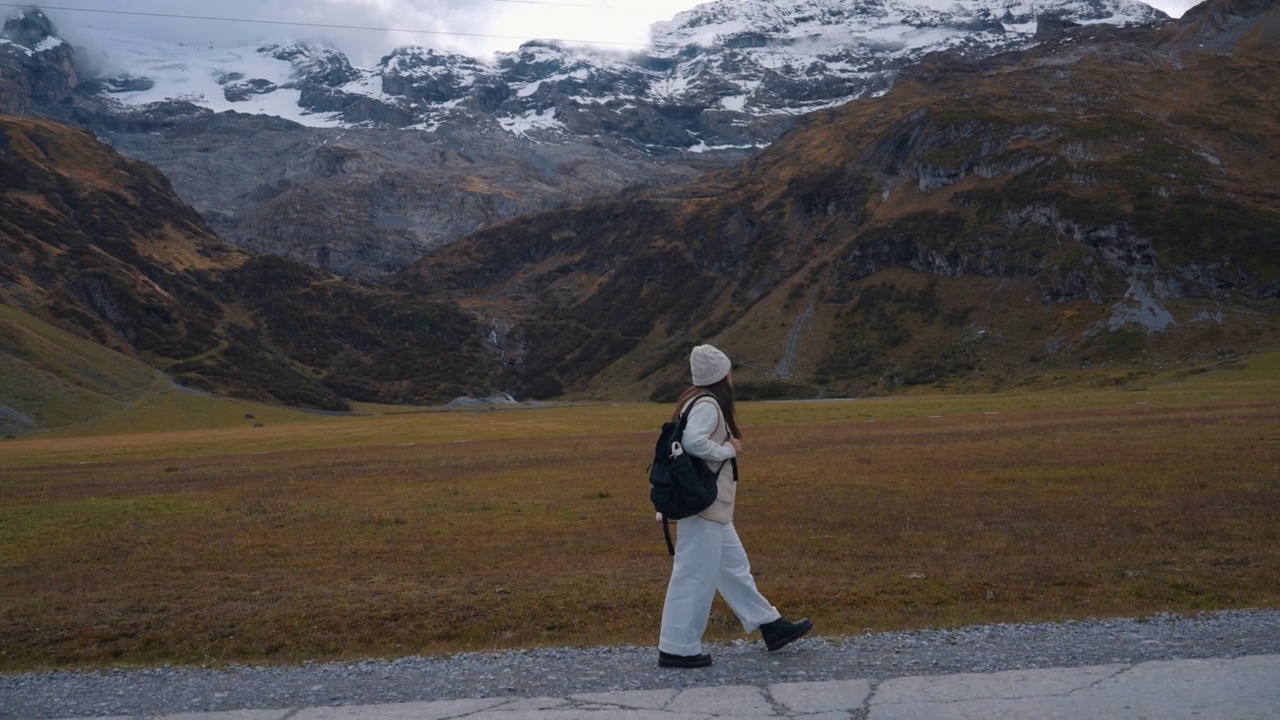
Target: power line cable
pixel 450 33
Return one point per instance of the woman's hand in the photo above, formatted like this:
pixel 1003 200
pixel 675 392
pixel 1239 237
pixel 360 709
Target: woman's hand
pixel 737 445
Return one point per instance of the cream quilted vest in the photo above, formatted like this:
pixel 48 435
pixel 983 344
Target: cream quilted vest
pixel 721 510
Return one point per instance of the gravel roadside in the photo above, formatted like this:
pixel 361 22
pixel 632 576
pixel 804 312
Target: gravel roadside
pixel 560 672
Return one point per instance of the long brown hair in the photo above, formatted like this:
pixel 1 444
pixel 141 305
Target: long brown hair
pixel 722 391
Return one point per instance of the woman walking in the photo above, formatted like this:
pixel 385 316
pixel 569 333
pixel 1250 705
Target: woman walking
pixel 709 555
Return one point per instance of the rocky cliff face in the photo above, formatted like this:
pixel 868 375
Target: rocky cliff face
pixel 365 203
pixel 37 69
pixel 439 145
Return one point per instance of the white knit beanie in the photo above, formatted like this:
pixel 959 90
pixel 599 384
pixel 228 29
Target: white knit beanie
pixel 709 365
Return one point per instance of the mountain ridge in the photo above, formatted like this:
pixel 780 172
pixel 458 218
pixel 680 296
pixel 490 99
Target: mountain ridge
pixel 542 126
pixel 1104 201
pixel 1089 176
pixel 747 57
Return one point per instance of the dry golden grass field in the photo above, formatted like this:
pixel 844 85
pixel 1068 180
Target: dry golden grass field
pixel 433 532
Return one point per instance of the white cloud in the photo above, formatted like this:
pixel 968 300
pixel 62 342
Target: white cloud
pixel 1172 8
pixel 361 28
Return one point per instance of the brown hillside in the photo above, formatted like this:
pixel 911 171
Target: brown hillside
pixel 1229 26
pixel 1096 200
pixel 99 245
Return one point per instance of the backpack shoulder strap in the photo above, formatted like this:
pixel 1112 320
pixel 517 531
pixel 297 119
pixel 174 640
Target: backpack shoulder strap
pixel 688 406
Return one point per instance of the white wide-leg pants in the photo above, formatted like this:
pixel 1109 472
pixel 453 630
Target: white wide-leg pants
pixel 709 557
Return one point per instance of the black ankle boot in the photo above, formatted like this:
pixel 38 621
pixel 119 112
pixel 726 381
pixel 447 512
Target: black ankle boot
pixel 780 632
pixel 683 661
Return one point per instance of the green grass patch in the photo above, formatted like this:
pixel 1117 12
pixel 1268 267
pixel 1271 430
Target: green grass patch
pixel 49 377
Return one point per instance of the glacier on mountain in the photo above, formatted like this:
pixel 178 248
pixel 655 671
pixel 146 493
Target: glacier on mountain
pixel 707 69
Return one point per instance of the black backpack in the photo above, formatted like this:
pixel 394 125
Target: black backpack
pixel 681 485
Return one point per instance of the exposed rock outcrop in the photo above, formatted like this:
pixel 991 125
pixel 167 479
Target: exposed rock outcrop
pixel 37 69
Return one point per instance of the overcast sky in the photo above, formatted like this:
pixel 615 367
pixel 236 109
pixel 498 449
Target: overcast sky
pixel 452 24
pixel 448 24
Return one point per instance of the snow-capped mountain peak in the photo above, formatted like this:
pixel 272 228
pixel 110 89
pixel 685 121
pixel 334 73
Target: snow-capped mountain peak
pixel 725 74
pixel 752 21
